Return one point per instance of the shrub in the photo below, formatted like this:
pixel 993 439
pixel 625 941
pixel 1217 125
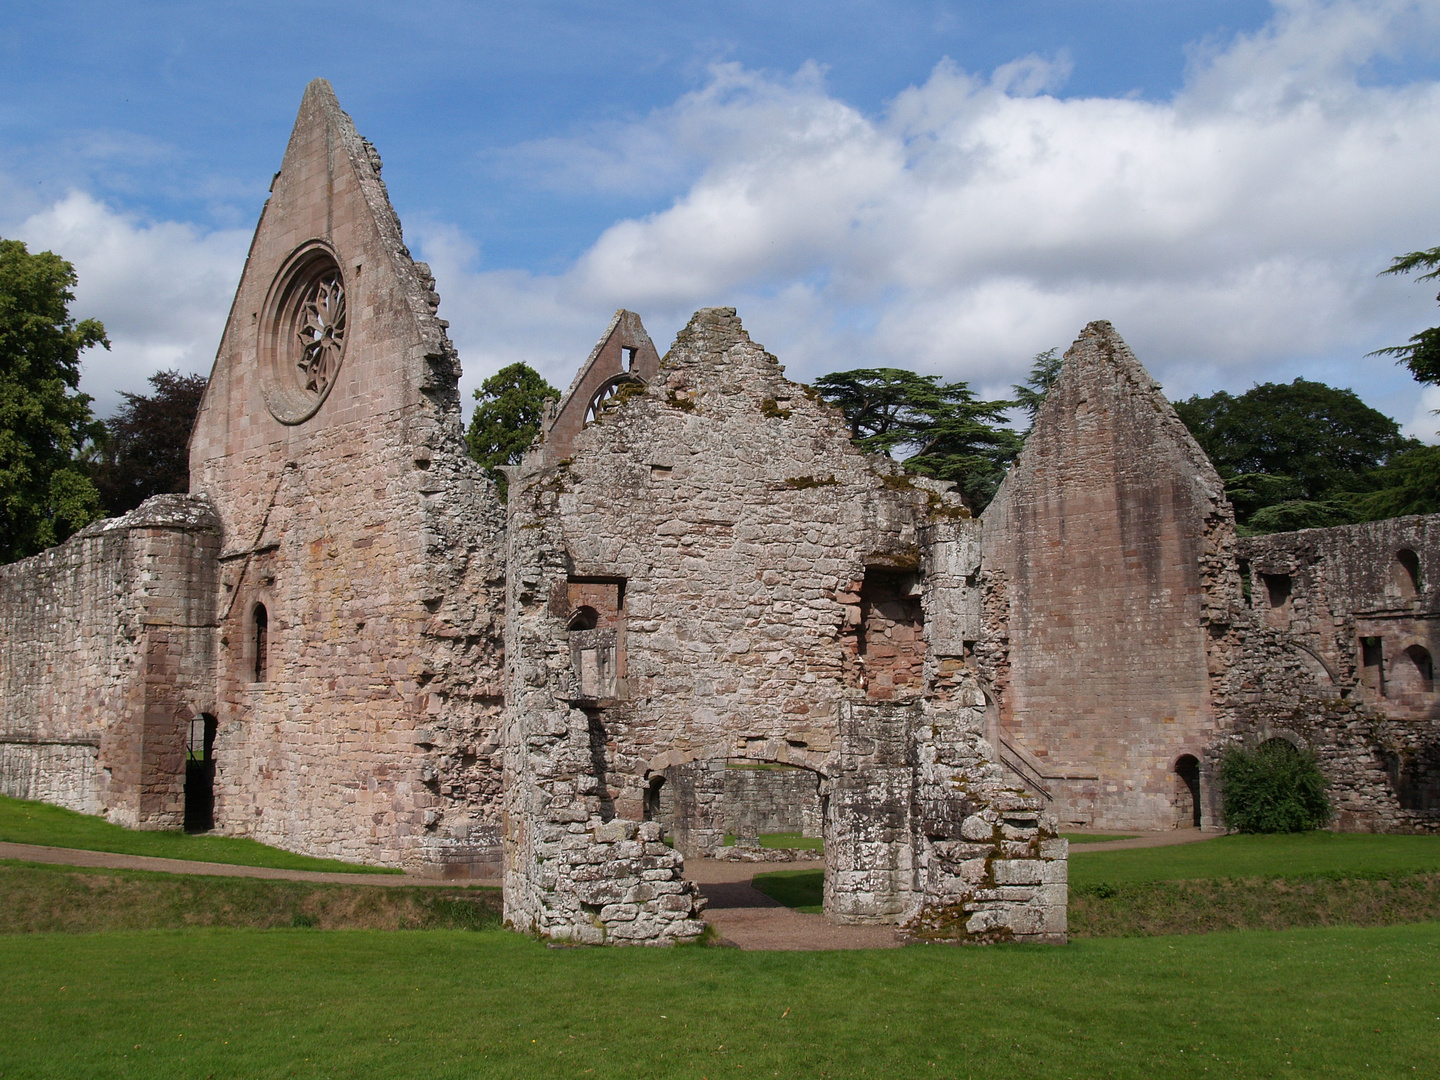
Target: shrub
pixel 1273 788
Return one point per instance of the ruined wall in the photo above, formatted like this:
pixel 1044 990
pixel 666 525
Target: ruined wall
pixel 106 654
pixel 1330 647
pixel 1106 549
pixel 737 528
pixel 353 516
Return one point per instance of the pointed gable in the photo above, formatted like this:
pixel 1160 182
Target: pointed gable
pixel 623 353
pixel 1104 535
pixel 333 323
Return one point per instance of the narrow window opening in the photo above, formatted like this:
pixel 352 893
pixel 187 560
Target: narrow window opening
pixel 629 358
pixel 1245 589
pixel 1372 659
pixel 652 798
pixel 262 642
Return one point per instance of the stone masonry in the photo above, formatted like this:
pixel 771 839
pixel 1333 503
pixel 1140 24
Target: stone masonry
pixel 342 643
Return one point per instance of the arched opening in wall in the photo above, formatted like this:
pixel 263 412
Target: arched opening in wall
pixel 1423 668
pixel 1187 792
pixel 200 774
pixel 654 802
pixel 262 643
pixel 1278 744
pixel 1405 573
pixel 583 618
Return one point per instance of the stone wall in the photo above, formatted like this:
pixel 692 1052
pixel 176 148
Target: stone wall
pixel 738 528
pixel 353 516
pixel 1106 549
pixel 1328 647
pixel 106 658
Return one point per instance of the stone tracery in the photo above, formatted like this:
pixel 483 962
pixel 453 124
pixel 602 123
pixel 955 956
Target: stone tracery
pixel 320 331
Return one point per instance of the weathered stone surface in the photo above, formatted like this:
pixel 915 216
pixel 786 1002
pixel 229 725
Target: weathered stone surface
pixel 697 570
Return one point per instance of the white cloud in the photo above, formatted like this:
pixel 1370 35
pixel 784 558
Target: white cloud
pixel 162 289
pixel 1232 234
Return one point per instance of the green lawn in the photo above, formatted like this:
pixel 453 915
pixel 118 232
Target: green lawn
pixel 260 1004
pixel 803 890
pixel 24 822
pixel 1294 855
pixel 782 840
pixel 43 897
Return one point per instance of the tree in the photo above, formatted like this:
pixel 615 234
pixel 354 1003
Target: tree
pixel 1304 455
pixel 1422 353
pixel 512 407
pixel 949 434
pixel 45 494
pixel 1044 373
pixel 145 450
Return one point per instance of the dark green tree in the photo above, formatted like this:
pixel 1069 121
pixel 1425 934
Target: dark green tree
pixel 1044 371
pixel 146 446
pixel 1294 455
pixel 45 494
pixel 505 423
pixel 942 429
pixel 1422 353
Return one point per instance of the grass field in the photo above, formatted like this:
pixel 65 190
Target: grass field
pixel 23 822
pixel 782 840
pixel 1291 856
pixel 260 1004
pixel 42 897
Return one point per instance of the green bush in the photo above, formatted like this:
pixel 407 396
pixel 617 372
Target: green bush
pixel 1273 788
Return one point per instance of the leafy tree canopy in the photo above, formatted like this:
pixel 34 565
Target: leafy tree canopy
pixel 948 433
pixel 1321 439
pixel 511 409
pixel 1303 455
pixel 1422 353
pixel 45 494
pixel 146 445
pixel 1044 372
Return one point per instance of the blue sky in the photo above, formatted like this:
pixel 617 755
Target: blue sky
pixel 946 186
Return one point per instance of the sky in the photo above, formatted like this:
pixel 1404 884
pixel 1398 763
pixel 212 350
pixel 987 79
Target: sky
pixel 950 187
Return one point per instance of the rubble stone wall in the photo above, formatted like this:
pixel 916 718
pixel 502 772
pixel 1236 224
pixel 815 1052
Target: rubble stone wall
pixel 106 658
pixel 739 525
pixel 1322 650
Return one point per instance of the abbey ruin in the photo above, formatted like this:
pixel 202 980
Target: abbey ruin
pixel 701 611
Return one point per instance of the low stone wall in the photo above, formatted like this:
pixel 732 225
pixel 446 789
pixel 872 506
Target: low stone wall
pixel 612 883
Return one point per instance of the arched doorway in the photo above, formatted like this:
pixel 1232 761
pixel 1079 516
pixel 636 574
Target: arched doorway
pixel 1187 792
